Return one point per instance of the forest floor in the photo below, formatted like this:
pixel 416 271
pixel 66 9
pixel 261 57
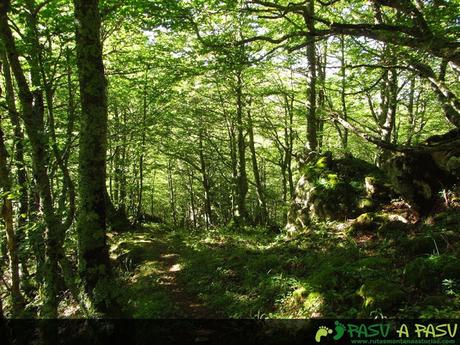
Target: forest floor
pixel 152 265
pixel 335 270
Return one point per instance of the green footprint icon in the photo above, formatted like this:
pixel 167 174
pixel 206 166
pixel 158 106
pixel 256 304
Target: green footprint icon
pixel 322 332
pixel 339 330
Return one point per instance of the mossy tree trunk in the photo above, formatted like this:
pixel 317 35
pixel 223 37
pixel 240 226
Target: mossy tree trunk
pixel 312 121
pixel 94 262
pixel 241 214
pixel 32 114
pixel 205 181
pixel 21 174
pixel 262 214
pixel 172 192
pixel 386 117
pixel 7 215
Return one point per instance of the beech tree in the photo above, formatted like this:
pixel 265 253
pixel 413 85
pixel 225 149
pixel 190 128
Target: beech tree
pixel 94 263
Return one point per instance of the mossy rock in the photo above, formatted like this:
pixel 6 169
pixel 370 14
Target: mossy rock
pixel 333 189
pixel 381 294
pixel 300 295
pixel 419 176
pixel 366 204
pixel 365 222
pixel 422 245
pixel 357 169
pixel 314 302
pixel 326 277
pixel 393 229
pixel 450 267
pixel 427 273
pixel 374 267
pixel 436 300
pixel 373 262
pixel 448 219
pixel 420 273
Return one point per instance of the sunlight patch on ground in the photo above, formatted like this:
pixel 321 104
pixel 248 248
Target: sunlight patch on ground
pixel 167 256
pixel 175 268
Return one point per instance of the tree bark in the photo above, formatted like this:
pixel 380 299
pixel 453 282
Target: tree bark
pixel 143 138
pixel 21 174
pixel 32 113
pixel 241 181
pixel 94 263
pixel 205 182
pixel 172 194
pixel 312 121
pixel 343 78
pixel 7 214
pixel 262 217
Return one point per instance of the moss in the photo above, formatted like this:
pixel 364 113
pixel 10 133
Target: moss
pixel 323 162
pixel 393 229
pixel 365 222
pixel 314 302
pixel 423 244
pixel 453 164
pixel 419 273
pixel 365 219
pixel 300 294
pixel 326 276
pixel 334 189
pixel 436 300
pixel 365 203
pixel 381 294
pixel 427 273
pixel 374 262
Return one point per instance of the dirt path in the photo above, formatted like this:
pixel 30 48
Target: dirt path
pixel 188 304
pixel 156 269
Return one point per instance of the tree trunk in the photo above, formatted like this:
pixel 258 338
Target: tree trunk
pixel 343 78
pixel 321 100
pixel 388 97
pixel 94 262
pixel 7 214
pixel 32 107
pixel 262 217
pixel 205 182
pixel 141 158
pixel 172 195
pixel 192 198
pixel 21 174
pixel 242 181
pixel 312 121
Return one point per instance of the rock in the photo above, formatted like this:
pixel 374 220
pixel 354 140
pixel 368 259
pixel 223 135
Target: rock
pixel 420 176
pixel 436 300
pixel 393 229
pixel 420 273
pixel 366 222
pixel 314 302
pixel 427 273
pixel 381 294
pixel 335 189
pixel 365 204
pixel 300 294
pixel 373 262
pixel 423 244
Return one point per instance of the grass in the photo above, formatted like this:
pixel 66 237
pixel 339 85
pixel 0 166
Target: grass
pixel 325 272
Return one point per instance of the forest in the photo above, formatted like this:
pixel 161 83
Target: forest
pixel 248 159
